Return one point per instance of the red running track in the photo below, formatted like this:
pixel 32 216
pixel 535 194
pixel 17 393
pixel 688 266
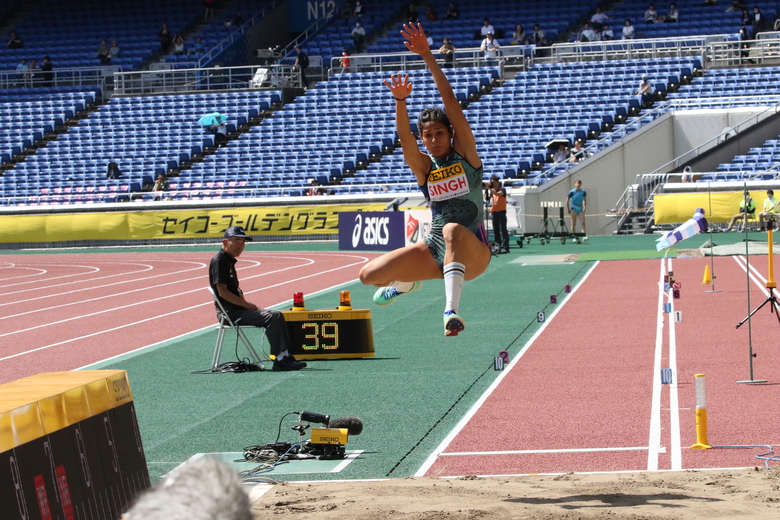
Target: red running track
pixel 65 311
pixel 586 396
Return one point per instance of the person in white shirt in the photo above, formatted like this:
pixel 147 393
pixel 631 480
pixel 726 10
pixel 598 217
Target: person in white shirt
pixel 487 28
pixel 645 91
pixel 358 35
pixel 587 34
pixel 628 30
pixel 651 15
pixel 674 14
pixel 607 34
pixel 490 47
pixel 599 18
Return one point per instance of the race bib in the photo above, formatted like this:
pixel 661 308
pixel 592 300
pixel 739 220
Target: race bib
pixel 448 182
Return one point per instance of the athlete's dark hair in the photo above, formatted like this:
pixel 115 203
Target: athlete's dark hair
pixel 430 115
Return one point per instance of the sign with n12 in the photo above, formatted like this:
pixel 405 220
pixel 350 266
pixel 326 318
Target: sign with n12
pixel 303 13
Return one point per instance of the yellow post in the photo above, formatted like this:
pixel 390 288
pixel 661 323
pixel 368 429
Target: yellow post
pixel 701 415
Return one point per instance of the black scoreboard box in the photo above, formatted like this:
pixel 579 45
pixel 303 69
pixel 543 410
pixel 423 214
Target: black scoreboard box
pixel 70 447
pixel 330 333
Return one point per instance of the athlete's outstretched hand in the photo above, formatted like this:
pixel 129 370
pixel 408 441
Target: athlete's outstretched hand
pixel 416 42
pixel 399 86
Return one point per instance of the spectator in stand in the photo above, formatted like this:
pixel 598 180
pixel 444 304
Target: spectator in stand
pixel 758 22
pixel 34 72
pixel 674 14
pixel 357 12
pixel 578 153
pixel 599 18
pixel 587 34
pixel 746 18
pixel 113 171
pixel 178 45
pixel 538 38
pixel 744 46
pixel 562 154
pixel 776 26
pixel 518 35
pixel 628 30
pixel 46 72
pixel 448 50
pixel 487 28
pixel 651 15
pixel 113 51
pixel 199 47
pixel 345 61
pixel 164 37
pixel 429 38
pixel 237 20
pixel 688 175
pixel 412 16
pixel 358 35
pixel 15 42
pixel 302 61
pixel 737 5
pixel 102 53
pixel 21 70
pixel 160 185
pixel 452 12
pixel 597 37
pixel 347 11
pixel 430 14
pixel 607 34
pixel 645 92
pixel 209 12
pixel 490 47
pixel 316 189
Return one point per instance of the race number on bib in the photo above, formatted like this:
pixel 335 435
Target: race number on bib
pixel 448 182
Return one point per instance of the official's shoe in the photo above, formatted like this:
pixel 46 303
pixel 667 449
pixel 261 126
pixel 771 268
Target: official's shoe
pixel 288 363
pixel 585 239
pixel 387 295
pixel 453 324
pixel 503 251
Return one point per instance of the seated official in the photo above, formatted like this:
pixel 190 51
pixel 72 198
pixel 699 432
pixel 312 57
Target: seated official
pixel 224 280
pixel 747 211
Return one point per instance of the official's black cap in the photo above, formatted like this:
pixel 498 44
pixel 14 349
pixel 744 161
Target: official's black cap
pixel 238 232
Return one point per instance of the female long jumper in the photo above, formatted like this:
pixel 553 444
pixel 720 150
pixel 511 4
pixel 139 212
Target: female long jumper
pixel 450 177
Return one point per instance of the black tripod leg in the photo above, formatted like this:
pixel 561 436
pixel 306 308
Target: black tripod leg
pixel 770 299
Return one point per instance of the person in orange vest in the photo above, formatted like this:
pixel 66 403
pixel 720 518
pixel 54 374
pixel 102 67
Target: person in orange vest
pixel 498 214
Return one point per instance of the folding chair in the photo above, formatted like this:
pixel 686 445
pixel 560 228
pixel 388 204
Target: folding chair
pixel 225 323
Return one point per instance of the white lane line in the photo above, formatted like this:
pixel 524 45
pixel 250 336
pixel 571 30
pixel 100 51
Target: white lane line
pixel 111 309
pixel 674 403
pixel 146 268
pixel 478 404
pixel 90 269
pixel 654 442
pixel 755 275
pixel 532 452
pixel 139 322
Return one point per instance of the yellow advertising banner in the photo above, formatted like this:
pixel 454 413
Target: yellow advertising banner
pixel 189 223
pixel 673 208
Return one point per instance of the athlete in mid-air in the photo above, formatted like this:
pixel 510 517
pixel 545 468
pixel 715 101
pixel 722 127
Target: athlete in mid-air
pixel 450 177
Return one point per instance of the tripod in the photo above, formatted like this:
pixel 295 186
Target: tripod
pixel 770 283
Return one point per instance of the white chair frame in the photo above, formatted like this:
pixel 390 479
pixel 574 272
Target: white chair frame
pixel 227 324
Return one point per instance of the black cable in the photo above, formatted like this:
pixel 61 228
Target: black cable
pixel 279 431
pixel 467 390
